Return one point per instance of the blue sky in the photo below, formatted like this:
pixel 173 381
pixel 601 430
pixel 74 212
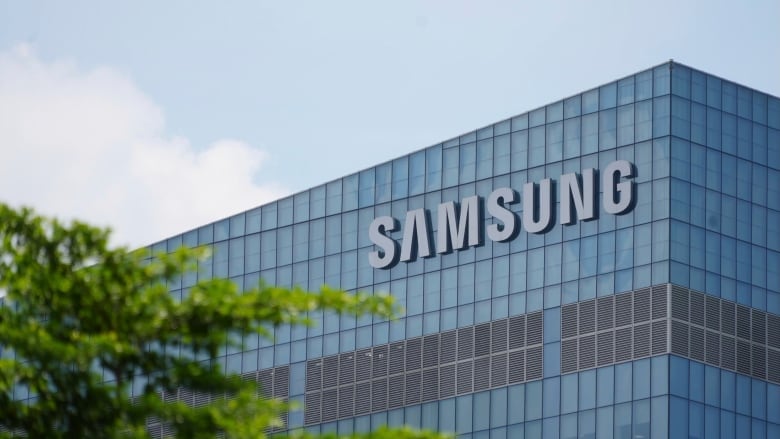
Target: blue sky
pixel 154 117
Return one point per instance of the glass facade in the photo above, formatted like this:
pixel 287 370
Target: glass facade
pixel 660 322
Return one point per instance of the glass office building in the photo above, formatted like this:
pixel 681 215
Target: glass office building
pixel 634 294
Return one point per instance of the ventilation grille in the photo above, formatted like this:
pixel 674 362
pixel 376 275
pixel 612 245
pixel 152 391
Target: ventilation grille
pixel 725 334
pixel 596 332
pixel 428 368
pixel 271 383
pixel 613 329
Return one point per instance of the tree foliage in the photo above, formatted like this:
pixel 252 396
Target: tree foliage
pixel 81 321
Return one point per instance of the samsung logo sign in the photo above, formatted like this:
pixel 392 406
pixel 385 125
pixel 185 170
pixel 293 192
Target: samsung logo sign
pixel 459 225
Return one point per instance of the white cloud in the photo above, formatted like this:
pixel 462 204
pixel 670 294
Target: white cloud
pixel 91 145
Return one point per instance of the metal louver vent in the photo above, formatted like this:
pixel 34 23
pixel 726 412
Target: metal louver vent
pixel 568 356
pixel 569 320
pixel 413 354
pixel 498 338
pixel 621 327
pixel 516 367
pixel 200 399
pixel 481 373
pixel 363 365
pixel 623 311
pixel 396 391
pixel 623 345
pixel 534 327
pixel 606 349
pixel 642 305
pixel 679 303
pixel 498 370
pixel 587 351
pixel 712 347
pixel 379 394
pixel 517 332
pixel 396 357
pixel 482 339
pixel 431 350
pixel 413 387
pixel 587 316
pixel 659 301
pixel 728 318
pixel 712 313
pixel 533 363
pixel 659 338
pixel 464 377
pixel 642 340
pixel 347 368
pixel 743 357
pixel 728 355
pixel 379 361
pixel 743 322
pixel 313 375
pixel 448 347
pixel 465 343
pixel 330 371
pixel 185 395
pixel 774 372
pixel 758 324
pixel 346 401
pixel 155 431
pixel 447 381
pixel 266 381
pixel 697 308
pixel 773 331
pixel 282 381
pixel 430 384
pixel 759 361
pixel 679 338
pixel 696 344
pixel 363 398
pixel 606 312
pixel 329 405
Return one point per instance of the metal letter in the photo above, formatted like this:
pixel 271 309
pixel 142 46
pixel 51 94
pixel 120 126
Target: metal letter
pixel 452 231
pixel 583 193
pixel 540 207
pixel 385 257
pixel 416 241
pixel 618 196
pixel 495 206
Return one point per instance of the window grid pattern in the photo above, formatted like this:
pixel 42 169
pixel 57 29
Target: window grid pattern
pixel 732 138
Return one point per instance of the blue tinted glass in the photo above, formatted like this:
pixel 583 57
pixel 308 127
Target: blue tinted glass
pixel 587 391
pixel 551 397
pixel 552 359
pixel 533 392
pixel 623 382
pixel 696 381
pixel 759 405
pixel 678 418
pixel 712 386
pixel 552 325
pixel 623 414
pixel 696 421
pixel 743 398
pixel 516 404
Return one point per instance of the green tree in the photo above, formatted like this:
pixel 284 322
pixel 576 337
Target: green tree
pixel 81 321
